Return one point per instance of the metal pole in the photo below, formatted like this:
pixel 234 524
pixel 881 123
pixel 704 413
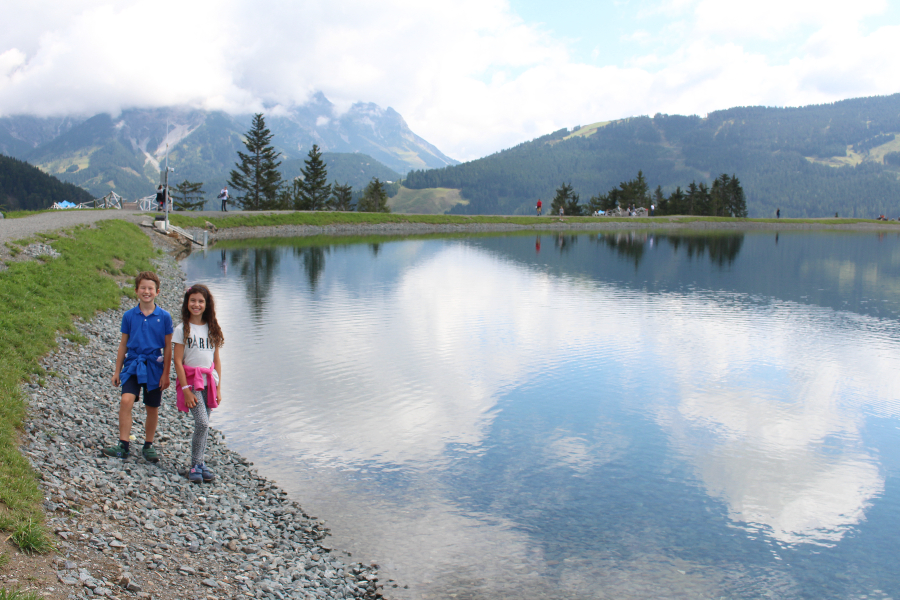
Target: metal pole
pixel 166 185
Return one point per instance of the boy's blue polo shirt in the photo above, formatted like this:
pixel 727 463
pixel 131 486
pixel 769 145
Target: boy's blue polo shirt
pixel 146 342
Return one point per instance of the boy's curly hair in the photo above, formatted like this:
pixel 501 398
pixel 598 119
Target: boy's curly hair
pixel 209 315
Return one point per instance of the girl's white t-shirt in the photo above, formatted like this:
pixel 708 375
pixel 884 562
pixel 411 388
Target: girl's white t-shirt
pixel 198 351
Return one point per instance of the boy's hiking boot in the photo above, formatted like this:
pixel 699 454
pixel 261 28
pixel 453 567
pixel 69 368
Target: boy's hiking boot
pixel 117 451
pixel 195 475
pixel 208 475
pixel 150 454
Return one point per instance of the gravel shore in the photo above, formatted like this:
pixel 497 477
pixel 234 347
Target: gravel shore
pixel 132 529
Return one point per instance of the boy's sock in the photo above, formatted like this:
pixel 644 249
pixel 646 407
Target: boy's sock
pixel 147 445
pixel 126 444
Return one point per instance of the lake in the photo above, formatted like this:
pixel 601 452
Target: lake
pixel 609 415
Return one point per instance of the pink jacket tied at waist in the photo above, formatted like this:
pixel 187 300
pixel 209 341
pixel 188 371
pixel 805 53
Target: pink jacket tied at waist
pixel 195 380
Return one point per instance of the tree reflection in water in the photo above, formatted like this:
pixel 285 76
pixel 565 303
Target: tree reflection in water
pixel 313 260
pixel 257 267
pixel 721 249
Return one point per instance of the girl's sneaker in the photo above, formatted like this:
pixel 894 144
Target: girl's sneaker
pixel 195 475
pixel 208 475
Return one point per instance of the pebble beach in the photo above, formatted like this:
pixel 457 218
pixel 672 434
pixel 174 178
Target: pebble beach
pixel 132 529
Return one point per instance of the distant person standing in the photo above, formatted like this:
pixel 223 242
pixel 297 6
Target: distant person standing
pixel 539 207
pixel 160 198
pixel 223 196
pixel 561 211
pixel 777 213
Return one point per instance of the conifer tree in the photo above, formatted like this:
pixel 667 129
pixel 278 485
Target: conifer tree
pixel 677 203
pixel 257 174
pixel 702 204
pixel 658 199
pixel 736 198
pixel 341 197
pixel 188 195
pixel 567 199
pixel 314 191
pixel 374 198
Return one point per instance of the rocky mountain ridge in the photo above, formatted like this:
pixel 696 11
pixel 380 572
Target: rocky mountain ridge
pixel 123 152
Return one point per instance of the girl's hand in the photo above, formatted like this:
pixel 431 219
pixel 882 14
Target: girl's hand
pixel 189 399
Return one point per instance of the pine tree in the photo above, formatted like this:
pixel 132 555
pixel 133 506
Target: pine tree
pixel 341 197
pixel 677 203
pixel 257 172
pixel 567 199
pixel 639 191
pixel 314 191
pixel 188 195
pixel 658 200
pixel 718 196
pixel 703 203
pixel 736 198
pixel 374 198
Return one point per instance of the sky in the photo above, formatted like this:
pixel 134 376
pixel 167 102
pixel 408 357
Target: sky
pixel 470 76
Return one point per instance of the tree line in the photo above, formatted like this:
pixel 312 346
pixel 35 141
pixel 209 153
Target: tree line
pixel 258 184
pixel 724 198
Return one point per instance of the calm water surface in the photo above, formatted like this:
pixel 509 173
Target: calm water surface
pixel 590 416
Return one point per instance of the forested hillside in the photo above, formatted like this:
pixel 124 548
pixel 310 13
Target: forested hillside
pixel 356 169
pixel 812 161
pixel 24 187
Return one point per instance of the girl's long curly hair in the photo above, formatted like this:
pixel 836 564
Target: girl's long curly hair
pixel 208 316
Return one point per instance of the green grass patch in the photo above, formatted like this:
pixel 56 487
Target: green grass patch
pixel 18 214
pixel 31 538
pixel 37 300
pixel 18 595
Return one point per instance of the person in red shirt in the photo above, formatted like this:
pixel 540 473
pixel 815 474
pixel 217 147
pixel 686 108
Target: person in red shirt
pixel 539 205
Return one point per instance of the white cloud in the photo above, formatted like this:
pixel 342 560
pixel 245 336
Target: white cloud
pixel 430 61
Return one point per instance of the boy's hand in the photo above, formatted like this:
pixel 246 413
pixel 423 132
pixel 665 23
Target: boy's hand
pixel 115 380
pixel 164 381
pixel 190 400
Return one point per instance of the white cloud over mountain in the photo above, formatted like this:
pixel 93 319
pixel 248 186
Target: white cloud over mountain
pixel 469 76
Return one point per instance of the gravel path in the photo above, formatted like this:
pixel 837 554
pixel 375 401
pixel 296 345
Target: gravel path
pixel 16 229
pixel 131 529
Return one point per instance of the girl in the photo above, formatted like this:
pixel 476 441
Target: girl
pixel 197 341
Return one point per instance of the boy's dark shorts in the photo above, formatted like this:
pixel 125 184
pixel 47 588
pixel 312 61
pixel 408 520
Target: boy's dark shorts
pixel 152 398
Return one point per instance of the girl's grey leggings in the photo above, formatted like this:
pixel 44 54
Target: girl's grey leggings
pixel 201 428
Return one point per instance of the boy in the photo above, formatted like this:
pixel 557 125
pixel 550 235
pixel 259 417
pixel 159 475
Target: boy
pixel 147 340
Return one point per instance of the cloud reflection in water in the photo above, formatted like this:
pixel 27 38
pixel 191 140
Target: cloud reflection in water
pixel 371 372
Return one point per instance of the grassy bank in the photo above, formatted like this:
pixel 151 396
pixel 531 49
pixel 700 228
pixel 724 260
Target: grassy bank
pixel 326 218
pixel 38 299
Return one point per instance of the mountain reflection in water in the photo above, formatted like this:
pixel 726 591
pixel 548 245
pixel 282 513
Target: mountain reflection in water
pixel 627 414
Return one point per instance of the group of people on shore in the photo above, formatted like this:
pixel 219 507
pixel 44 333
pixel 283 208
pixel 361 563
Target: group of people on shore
pixel 148 346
